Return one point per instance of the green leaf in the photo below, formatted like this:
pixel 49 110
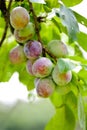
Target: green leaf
pixel 62 120
pixel 65 64
pixel 50 30
pixel 5 67
pixel 25 78
pixel 82 40
pixel 56 99
pixel 69 21
pixel 81 113
pixel 71 101
pixel 2 22
pixel 71 3
pixel 52 3
pixel 81 19
pixel 38 1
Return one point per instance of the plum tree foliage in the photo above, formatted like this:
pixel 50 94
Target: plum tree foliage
pixel 41 40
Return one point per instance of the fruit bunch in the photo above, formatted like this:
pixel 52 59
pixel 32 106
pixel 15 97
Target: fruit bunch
pixel 47 74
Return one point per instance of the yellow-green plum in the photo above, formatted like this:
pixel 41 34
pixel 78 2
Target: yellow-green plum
pixel 17 55
pixel 61 79
pixel 45 87
pixel 24 34
pixel 42 67
pixel 33 49
pixel 58 48
pixel 19 17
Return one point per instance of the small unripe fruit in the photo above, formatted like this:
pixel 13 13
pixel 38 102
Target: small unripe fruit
pixel 29 67
pixel 19 17
pixel 61 79
pixel 57 48
pixel 16 55
pixel 45 87
pixel 42 67
pixel 24 34
pixel 33 49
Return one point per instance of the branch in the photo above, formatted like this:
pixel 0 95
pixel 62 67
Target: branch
pixel 37 31
pixel 6 14
pixel 35 21
pixel 3 8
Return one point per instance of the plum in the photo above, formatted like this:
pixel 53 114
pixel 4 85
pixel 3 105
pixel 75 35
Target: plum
pixel 45 87
pixel 29 67
pixel 19 17
pixel 33 49
pixel 57 48
pixel 42 67
pixel 61 79
pixel 24 34
pixel 17 55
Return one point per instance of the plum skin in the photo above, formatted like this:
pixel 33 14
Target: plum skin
pixel 42 67
pixel 33 49
pixel 58 48
pixel 24 34
pixel 17 55
pixel 19 17
pixel 29 67
pixel 45 87
pixel 61 79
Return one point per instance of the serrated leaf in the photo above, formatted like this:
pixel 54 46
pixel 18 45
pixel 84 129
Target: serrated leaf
pixel 69 21
pixel 81 113
pixel 71 3
pixel 65 64
pixel 38 1
pixel 62 120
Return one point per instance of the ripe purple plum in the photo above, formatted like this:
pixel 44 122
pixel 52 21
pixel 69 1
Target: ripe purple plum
pixel 19 17
pixel 33 49
pixel 61 79
pixel 24 34
pixel 17 55
pixel 42 67
pixel 58 48
pixel 45 87
pixel 29 67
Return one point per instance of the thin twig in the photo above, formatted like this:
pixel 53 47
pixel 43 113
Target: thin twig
pixel 35 21
pixel 7 22
pixel 45 50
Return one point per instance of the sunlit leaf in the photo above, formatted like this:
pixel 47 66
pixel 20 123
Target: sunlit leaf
pixel 82 40
pixel 65 64
pixel 71 3
pixel 62 120
pixel 69 21
pixel 81 113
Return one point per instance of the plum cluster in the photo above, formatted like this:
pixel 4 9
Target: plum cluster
pixel 46 73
